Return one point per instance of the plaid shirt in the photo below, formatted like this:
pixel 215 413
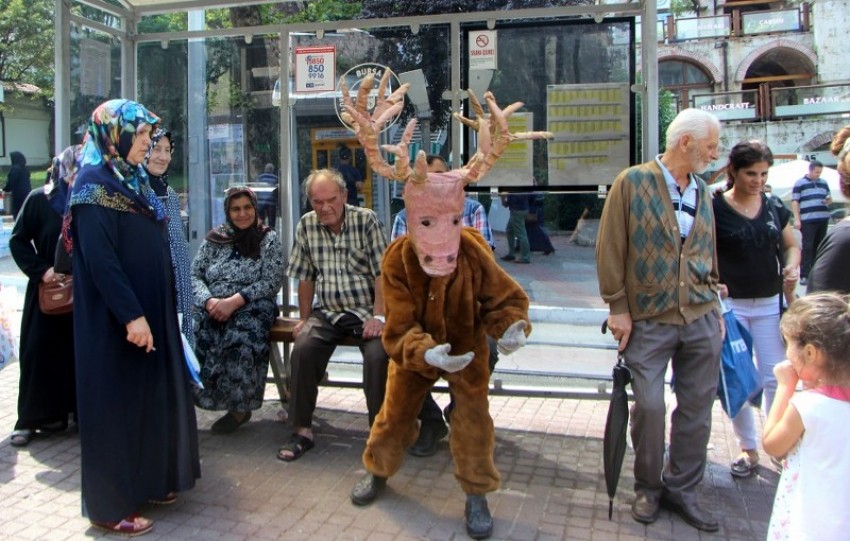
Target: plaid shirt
pixel 473 216
pixel 344 266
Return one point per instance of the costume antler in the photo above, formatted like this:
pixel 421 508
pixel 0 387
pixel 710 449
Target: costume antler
pixel 493 133
pixel 367 127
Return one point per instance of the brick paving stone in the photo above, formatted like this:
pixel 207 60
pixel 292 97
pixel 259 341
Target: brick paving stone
pixel 548 451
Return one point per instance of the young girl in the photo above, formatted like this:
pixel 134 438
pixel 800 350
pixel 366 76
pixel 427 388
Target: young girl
pixel 811 427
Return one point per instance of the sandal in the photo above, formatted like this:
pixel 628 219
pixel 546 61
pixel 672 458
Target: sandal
pixel 229 423
pixel 54 427
pixel 744 465
pixel 21 437
pixel 168 499
pixel 298 445
pixel 132 526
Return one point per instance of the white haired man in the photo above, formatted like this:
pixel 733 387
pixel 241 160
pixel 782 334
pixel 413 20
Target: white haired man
pixel 657 265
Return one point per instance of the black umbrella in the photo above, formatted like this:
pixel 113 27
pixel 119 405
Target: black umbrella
pixel 614 442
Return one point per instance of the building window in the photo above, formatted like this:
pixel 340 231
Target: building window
pixel 683 78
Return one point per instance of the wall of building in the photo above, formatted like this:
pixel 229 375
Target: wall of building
pixel 831 20
pixel 27 129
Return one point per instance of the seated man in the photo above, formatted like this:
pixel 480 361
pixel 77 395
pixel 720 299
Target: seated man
pixel 336 255
pixel 433 428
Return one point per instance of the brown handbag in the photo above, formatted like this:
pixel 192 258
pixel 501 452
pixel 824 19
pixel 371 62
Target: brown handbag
pixel 57 297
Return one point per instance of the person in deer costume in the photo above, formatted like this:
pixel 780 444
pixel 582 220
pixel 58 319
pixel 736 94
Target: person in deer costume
pixel 443 294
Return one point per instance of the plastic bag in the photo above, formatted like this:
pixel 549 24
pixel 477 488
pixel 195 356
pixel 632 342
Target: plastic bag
pixel 8 334
pixel 739 380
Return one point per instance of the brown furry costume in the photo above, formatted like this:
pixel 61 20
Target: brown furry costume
pixel 478 298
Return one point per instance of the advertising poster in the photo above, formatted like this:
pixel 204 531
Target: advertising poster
pixel 227 167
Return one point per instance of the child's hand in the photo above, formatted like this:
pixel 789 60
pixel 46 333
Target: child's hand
pixel 785 374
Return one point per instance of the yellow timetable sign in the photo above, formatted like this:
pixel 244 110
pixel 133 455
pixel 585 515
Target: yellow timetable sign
pixel 591 124
pixel 514 168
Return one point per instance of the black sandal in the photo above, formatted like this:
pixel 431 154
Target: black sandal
pixel 229 423
pixel 298 445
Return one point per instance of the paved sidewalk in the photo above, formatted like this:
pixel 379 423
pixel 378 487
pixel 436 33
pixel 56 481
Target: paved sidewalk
pixel 548 451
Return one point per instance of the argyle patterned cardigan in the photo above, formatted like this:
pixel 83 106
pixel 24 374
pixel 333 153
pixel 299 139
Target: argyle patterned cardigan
pixel 644 268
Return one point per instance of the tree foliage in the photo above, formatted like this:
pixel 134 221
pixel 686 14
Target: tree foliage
pixel 26 42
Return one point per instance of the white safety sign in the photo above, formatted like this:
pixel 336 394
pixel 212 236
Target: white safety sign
pixel 315 69
pixel 482 50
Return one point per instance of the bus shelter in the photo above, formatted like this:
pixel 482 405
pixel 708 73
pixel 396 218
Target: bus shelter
pixel 245 100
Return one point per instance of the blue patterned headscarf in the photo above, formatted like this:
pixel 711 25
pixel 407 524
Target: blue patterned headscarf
pixel 109 138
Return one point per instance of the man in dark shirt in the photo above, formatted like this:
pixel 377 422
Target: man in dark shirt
pixel 267 201
pixel 352 176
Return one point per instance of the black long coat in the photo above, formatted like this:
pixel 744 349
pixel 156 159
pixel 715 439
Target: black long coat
pixel 138 433
pixel 46 391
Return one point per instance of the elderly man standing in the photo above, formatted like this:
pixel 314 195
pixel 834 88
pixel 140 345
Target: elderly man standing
pixel 657 265
pixel 336 255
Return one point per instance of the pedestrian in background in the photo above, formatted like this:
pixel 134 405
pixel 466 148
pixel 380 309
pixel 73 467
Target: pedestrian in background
pixel 46 393
pixel 830 269
pixel 351 175
pixel 17 182
pixel 517 204
pixel 268 200
pixel 657 268
pixel 810 203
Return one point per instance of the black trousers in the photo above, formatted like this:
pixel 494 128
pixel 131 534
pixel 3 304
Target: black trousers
pixel 310 355
pixel 813 234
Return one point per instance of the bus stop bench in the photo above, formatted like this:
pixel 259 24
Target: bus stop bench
pixel 281 333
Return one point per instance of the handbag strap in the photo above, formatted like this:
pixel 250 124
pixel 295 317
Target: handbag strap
pixel 780 257
pixel 61 259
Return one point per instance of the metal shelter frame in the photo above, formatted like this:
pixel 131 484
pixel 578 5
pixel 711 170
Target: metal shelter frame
pixel 131 12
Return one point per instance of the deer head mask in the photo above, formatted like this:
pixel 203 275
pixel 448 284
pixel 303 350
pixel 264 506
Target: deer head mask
pixel 434 201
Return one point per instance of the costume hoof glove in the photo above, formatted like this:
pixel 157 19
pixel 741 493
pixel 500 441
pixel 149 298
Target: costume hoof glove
pixel 439 357
pixel 512 339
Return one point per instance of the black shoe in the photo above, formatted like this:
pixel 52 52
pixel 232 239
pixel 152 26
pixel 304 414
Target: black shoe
pixel 367 488
pixel 550 251
pixel 430 433
pixel 645 508
pixel 479 522
pixel 691 513
pixel 229 423
pixel 508 257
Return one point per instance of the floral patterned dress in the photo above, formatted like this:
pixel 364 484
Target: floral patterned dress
pixel 234 355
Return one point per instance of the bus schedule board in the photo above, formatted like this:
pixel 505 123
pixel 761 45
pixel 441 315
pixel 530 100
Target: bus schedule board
pixel 591 124
pixel 515 166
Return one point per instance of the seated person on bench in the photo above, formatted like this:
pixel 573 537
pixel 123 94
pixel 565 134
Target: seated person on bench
pixel 336 255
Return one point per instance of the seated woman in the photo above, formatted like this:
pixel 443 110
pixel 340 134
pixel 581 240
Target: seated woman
pixel 235 279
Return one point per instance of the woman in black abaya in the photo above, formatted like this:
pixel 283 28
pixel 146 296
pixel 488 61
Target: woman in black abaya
pixel 138 433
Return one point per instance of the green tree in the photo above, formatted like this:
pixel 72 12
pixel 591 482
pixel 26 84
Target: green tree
pixel 26 43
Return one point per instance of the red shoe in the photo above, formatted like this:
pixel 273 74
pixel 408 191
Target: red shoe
pixel 132 526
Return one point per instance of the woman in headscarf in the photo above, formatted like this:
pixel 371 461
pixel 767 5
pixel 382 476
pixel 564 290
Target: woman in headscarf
pixel 138 433
pixel 156 166
pixel 18 181
pixel 46 394
pixel 235 278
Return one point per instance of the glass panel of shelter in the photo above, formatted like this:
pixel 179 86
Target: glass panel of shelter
pixel 243 129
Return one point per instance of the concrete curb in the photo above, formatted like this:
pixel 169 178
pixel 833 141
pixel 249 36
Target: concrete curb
pixel 571 316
